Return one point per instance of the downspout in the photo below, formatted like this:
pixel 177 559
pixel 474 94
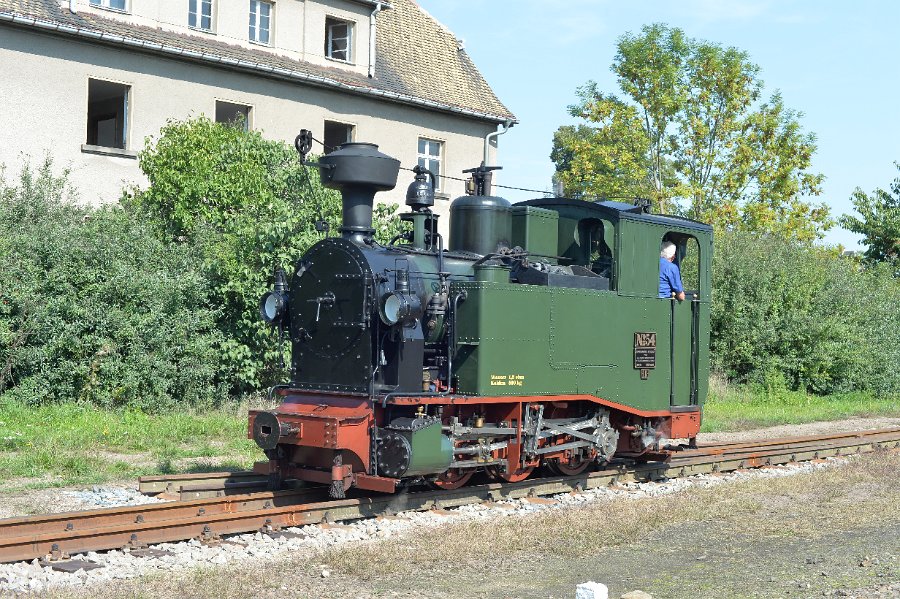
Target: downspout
pixel 72 8
pixel 507 124
pixel 372 23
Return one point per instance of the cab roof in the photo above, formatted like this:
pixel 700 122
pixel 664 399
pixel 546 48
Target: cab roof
pixel 618 211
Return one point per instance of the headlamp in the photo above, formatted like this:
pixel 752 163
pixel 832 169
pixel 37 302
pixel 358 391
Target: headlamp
pixel 271 306
pixel 399 307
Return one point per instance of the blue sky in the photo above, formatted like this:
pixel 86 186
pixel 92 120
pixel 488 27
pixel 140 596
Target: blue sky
pixel 837 62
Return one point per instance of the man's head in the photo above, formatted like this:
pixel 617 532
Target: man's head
pixel 667 251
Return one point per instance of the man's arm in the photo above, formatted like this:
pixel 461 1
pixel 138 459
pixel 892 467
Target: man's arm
pixel 678 287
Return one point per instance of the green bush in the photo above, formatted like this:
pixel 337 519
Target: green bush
pixel 247 206
pixel 789 316
pixel 94 307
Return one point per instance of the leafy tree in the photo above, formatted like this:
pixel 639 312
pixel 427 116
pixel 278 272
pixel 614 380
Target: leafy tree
pixel 879 223
pixel 610 159
pixel 248 206
pixel 691 134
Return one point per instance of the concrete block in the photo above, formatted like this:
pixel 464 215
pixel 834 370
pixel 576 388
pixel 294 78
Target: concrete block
pixel 591 590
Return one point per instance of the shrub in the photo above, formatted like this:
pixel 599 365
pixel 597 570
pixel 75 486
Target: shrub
pixel 799 317
pixel 94 307
pixel 247 206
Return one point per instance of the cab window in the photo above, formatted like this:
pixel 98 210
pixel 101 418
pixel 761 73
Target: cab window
pixel 596 240
pixel 687 257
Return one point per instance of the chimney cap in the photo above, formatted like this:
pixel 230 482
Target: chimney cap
pixel 360 165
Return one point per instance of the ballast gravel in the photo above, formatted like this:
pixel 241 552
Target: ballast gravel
pixel 30 577
pixel 100 497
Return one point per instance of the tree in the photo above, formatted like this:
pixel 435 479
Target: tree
pixel 691 134
pixel 878 223
pixel 611 159
pixel 248 207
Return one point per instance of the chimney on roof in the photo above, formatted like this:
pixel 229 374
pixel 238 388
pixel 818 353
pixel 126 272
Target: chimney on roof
pixel 460 45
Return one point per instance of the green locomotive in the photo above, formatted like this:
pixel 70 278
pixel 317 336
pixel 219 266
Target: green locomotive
pixel 536 338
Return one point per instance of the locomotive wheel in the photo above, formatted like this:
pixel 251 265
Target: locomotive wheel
pixel 568 467
pixel 452 479
pixel 510 477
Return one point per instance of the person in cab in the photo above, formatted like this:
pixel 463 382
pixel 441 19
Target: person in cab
pixel 669 274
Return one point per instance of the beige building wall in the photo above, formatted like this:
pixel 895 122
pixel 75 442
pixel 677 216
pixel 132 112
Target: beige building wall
pixel 296 29
pixel 44 83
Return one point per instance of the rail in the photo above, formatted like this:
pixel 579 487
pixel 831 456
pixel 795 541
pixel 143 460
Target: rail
pixel 57 535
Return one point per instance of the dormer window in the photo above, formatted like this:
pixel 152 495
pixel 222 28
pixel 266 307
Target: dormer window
pixel 200 14
pixel 260 21
pixel 338 39
pixel 110 4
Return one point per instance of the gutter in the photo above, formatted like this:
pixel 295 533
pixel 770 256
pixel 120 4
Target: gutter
pixel 372 30
pixel 373 3
pixel 245 65
pixel 507 124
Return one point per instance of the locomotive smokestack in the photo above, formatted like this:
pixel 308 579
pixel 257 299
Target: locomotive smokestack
pixel 358 171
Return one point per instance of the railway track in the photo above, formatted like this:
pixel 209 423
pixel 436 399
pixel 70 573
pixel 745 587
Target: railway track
pixel 59 535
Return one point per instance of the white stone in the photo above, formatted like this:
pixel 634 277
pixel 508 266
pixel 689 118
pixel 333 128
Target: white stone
pixel 591 590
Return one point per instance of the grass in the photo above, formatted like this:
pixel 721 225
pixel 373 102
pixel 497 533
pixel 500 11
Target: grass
pixel 730 408
pixel 73 443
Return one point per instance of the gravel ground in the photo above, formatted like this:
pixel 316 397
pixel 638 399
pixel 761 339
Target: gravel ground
pixel 311 540
pixel 51 501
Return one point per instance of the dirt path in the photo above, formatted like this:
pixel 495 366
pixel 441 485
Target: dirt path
pixel 799 430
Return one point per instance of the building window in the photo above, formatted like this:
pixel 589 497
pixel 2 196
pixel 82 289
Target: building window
pixel 430 152
pixel 336 134
pixel 233 114
pixel 110 4
pixel 338 39
pixel 107 117
pixel 260 21
pixel 200 14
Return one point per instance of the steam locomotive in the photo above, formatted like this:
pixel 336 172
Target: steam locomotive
pixel 535 338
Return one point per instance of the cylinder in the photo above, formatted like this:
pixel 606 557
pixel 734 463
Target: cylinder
pixel 480 224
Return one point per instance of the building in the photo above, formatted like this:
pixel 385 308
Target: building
pixel 90 80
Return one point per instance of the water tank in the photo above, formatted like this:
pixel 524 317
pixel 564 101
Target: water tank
pixel 479 224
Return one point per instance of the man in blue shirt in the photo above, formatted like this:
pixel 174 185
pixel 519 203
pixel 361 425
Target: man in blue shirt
pixel 669 275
